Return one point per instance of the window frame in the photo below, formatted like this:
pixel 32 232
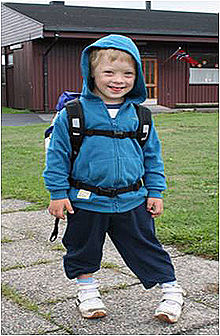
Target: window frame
pixel 206 76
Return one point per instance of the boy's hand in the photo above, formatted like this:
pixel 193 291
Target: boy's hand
pixel 155 206
pixel 56 207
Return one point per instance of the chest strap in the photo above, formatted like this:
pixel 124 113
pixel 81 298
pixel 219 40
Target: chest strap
pixel 112 134
pixel 110 192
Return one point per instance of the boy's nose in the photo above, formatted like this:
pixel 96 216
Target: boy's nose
pixel 118 78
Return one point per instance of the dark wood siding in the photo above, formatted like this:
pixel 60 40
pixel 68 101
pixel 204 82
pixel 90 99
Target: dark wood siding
pixel 202 93
pixel 26 85
pixel 173 83
pixel 19 93
pixel 64 69
pixel 37 77
pixel 22 76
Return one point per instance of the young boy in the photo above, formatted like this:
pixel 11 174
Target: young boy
pixel 113 82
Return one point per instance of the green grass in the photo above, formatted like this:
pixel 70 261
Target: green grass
pixel 9 110
pixel 23 163
pixel 16 297
pixel 190 152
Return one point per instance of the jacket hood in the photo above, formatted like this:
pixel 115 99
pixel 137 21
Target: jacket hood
pixel 138 93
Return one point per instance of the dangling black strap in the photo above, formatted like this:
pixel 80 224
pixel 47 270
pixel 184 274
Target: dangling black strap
pixel 54 234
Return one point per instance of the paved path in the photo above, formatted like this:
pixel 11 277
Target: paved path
pixel 39 300
pixel 23 119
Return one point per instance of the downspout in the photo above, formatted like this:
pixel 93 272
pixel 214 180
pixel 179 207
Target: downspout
pixel 45 74
pixel 6 77
pixel 186 78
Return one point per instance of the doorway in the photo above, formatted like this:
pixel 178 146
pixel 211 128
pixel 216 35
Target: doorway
pixel 150 70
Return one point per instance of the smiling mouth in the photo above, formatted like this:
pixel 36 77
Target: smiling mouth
pixel 116 89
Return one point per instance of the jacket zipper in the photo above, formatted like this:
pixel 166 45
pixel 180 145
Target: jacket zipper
pixel 116 149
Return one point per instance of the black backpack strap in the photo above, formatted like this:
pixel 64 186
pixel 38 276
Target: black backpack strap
pixel 76 126
pixel 76 130
pixel 145 122
pixel 111 134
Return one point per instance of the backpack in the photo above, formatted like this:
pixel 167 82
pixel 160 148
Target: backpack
pixel 77 132
pixel 62 100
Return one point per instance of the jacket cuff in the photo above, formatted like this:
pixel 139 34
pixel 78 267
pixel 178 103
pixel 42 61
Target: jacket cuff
pixel 58 194
pixel 154 194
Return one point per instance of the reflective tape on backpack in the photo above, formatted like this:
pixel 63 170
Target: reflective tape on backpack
pixel 145 132
pixel 76 122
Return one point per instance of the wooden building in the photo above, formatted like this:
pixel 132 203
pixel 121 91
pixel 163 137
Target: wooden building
pixel 42 44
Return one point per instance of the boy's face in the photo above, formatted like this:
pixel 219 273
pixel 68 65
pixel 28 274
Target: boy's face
pixel 113 79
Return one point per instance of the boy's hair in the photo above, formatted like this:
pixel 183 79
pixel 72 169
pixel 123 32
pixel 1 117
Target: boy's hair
pixel 112 54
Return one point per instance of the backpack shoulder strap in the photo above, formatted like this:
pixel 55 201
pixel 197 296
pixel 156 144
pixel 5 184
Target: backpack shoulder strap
pixel 76 126
pixel 143 131
pixel 76 129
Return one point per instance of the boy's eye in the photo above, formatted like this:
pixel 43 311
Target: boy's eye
pixel 129 73
pixel 108 72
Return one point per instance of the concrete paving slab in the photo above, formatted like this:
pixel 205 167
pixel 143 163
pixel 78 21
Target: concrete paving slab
pixel 10 235
pixel 18 321
pixel 48 282
pixel 13 205
pixel 199 277
pixel 38 224
pixel 38 220
pixel 26 253
pixel 208 330
pixel 130 312
pixel 130 309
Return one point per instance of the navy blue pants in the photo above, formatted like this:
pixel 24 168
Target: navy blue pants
pixel 132 233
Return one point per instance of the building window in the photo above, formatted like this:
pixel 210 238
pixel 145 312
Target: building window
pixel 203 76
pixel 3 60
pixel 206 72
pixel 3 71
pixel 10 59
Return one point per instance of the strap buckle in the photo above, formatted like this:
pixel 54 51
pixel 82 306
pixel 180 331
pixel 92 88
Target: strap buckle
pixel 107 192
pixel 119 134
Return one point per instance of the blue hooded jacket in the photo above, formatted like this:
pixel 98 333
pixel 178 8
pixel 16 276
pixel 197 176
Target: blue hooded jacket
pixel 103 161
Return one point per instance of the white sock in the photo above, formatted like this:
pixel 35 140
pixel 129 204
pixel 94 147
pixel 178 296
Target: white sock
pixel 171 283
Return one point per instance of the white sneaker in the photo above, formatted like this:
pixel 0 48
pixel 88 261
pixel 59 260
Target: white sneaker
pixel 170 306
pixel 89 301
